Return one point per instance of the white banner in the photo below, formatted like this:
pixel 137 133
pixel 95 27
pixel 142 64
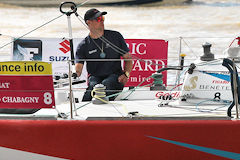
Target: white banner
pixel 55 50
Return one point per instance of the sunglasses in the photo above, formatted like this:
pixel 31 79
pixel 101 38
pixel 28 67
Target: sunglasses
pixel 100 19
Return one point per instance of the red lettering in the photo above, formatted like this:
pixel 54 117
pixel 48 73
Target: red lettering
pixel 174 94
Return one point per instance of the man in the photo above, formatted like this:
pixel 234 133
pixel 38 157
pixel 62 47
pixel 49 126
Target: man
pixel 104 45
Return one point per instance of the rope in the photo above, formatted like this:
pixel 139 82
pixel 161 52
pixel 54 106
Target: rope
pixel 31 31
pixel 213 100
pixel 25 34
pixel 100 94
pixel 132 90
pixel 189 47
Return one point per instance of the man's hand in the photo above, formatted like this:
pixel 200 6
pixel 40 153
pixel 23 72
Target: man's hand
pixel 78 68
pixel 123 79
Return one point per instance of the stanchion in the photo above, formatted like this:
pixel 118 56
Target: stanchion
pixel 70 89
pixel 180 52
pixel 71 8
pixel 235 91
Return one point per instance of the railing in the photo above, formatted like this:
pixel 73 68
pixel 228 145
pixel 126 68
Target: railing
pixel 191 46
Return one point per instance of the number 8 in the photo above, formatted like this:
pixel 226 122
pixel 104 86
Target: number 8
pixel 47 98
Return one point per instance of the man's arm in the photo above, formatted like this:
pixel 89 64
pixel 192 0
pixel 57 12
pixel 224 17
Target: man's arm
pixel 128 62
pixel 127 68
pixel 79 67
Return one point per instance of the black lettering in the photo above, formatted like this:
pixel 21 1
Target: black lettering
pixel 217 95
pixel 41 68
pixel 17 68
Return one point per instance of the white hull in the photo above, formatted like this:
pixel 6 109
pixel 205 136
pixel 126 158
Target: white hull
pixel 8 154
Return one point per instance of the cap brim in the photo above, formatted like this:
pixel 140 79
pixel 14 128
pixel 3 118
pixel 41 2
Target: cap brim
pixel 99 14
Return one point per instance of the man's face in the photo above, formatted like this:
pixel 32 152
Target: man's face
pixel 97 24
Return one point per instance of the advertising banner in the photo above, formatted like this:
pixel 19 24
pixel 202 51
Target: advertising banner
pixel 149 56
pixel 55 50
pixel 26 84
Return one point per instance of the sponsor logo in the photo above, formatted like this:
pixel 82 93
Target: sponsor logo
pixel 27 49
pixel 92 51
pixel 58 58
pixel 65 46
pixel 138 48
pixel 147 65
pixel 214 87
pixel 174 94
pixel 220 82
pixel 192 85
pixel 64 49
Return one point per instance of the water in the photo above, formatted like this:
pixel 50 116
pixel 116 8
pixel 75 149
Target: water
pixel 215 21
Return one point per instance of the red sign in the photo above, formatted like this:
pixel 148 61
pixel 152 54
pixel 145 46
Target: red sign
pixel 26 85
pixel 26 92
pixel 66 46
pixel 148 57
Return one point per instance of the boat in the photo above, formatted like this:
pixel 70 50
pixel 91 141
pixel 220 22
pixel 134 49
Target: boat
pixel 207 82
pixel 194 122
pixel 196 119
pixel 55 3
pixel 147 119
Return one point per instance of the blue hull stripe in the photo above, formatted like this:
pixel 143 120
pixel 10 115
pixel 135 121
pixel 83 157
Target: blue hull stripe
pixel 221 76
pixel 221 153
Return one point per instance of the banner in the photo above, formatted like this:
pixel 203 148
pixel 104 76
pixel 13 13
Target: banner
pixel 55 50
pixel 26 84
pixel 149 56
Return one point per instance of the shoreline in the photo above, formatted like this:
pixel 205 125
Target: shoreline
pixel 56 3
